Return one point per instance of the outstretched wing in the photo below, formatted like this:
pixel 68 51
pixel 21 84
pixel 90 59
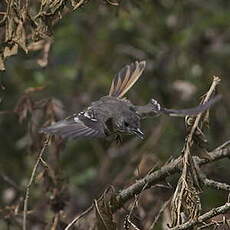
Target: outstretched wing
pixel 126 78
pixel 191 111
pixel 154 108
pixel 76 126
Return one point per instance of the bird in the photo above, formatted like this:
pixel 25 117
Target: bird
pixel 114 115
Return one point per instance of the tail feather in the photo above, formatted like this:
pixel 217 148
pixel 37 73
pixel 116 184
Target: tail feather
pixel 126 78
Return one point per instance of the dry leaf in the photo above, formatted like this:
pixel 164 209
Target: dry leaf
pixel 2 66
pixel 104 217
pixel 21 28
pixel 20 36
pixel 9 51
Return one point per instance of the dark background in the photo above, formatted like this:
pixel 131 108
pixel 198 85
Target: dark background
pixel 184 44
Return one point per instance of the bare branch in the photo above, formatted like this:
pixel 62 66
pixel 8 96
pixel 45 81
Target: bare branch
pixel 31 180
pixel 165 171
pixel 218 153
pixel 74 221
pixel 151 179
pixel 214 212
pixel 211 183
pixel 216 185
pixel 186 200
pixel 146 182
pixel 163 207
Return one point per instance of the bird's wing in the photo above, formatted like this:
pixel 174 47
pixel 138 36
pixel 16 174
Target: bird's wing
pixel 126 78
pixel 191 111
pixel 154 108
pixel 80 125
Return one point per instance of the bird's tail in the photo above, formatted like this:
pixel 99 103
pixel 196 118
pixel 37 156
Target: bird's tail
pixel 126 78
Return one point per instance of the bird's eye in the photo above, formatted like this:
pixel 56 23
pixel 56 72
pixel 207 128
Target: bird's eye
pixel 126 124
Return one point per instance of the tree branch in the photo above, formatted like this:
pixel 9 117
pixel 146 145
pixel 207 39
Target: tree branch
pixel 117 201
pixel 167 170
pixel 217 185
pixel 25 206
pixel 213 212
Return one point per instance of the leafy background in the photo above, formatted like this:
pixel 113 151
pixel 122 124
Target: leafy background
pixel 184 43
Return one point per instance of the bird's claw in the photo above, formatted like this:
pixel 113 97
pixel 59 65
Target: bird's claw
pixel 156 106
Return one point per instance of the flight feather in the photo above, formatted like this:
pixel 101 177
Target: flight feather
pixel 126 78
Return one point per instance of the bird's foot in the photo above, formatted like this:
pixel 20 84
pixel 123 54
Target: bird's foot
pixel 156 107
pixel 118 139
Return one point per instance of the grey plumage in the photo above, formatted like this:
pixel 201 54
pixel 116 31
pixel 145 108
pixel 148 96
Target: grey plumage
pixel 113 114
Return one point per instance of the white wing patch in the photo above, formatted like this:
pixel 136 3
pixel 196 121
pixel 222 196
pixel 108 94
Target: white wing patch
pixel 83 124
pixel 88 114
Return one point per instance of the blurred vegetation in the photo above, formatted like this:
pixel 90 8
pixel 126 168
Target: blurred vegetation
pixel 184 43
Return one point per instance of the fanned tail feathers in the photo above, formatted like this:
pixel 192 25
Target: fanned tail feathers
pixel 126 78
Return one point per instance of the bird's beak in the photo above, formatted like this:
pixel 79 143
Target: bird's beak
pixel 139 133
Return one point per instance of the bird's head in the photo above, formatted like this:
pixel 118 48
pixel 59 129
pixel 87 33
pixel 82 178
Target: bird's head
pixel 129 123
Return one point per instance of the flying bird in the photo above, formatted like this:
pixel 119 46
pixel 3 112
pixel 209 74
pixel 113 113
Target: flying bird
pixel 113 115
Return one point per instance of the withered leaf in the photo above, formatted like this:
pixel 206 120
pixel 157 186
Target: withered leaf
pixel 20 36
pixel 21 27
pixel 10 27
pixel 24 107
pixel 43 61
pixel 10 50
pixel 50 7
pixel 76 5
pixel 2 66
pixel 104 216
pixel 34 89
pixel 54 109
pixel 34 46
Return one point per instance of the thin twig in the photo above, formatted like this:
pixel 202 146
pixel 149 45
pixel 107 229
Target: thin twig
pixel 77 5
pixel 188 185
pixel 165 171
pixel 133 206
pixel 168 170
pixel 163 207
pixel 7 112
pixel 215 82
pixel 216 185
pixel 55 222
pixel 46 142
pixel 218 153
pixel 10 182
pixel 213 212
pixel 211 183
pixel 208 225
pixel 77 218
pixel 112 3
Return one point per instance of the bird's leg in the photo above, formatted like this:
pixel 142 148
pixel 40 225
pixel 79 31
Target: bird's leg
pixel 118 139
pixel 153 108
pixel 156 107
